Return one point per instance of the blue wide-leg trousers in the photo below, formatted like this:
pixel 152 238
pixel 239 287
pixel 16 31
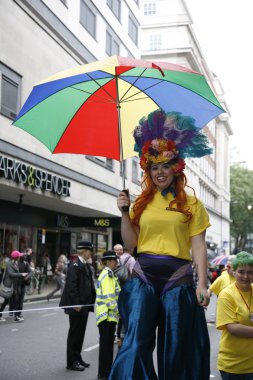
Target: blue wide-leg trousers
pixel 183 349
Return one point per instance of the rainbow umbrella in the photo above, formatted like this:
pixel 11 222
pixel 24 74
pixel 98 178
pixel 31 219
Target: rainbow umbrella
pixel 220 260
pixel 92 109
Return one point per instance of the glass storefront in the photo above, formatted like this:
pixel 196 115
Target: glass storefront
pixel 14 237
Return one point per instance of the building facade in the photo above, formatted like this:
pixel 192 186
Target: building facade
pixel 167 35
pixel 50 201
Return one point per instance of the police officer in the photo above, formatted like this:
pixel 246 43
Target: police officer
pixel 79 290
pixel 107 314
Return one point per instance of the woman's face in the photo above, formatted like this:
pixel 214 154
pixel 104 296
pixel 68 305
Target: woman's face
pixel 162 175
pixel 244 277
pixel 111 264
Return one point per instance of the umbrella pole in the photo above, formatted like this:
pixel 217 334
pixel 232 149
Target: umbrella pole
pixel 124 208
pixel 121 149
pixel 120 136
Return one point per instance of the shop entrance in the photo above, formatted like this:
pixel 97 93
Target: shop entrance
pixel 52 244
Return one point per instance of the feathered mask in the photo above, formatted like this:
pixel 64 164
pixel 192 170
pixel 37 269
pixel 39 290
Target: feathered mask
pixel 164 137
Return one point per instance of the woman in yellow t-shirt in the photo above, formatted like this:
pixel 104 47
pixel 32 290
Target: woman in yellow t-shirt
pixel 235 320
pixel 165 224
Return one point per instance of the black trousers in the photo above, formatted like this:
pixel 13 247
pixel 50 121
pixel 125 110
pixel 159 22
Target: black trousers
pixel 234 376
pixel 77 327
pixel 18 300
pixel 106 341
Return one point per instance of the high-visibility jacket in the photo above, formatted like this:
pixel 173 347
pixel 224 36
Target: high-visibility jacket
pixel 107 293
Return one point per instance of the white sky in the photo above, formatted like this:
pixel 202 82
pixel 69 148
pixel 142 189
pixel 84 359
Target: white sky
pixel 224 30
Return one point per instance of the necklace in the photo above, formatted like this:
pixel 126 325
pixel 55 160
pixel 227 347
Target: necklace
pixel 247 305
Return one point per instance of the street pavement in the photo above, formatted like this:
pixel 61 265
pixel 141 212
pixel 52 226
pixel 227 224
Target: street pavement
pixel 36 348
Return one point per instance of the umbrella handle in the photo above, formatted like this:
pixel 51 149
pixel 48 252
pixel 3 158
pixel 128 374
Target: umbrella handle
pixel 125 208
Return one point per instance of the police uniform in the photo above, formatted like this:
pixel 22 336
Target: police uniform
pixel 107 315
pixel 79 290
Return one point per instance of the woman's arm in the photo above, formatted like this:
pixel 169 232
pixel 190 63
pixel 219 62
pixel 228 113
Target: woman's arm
pixel 242 331
pixel 129 232
pixel 199 256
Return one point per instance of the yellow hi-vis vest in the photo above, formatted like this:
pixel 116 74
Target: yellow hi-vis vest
pixel 107 294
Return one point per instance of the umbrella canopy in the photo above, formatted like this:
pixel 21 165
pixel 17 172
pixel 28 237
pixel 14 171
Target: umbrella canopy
pixel 93 108
pixel 220 260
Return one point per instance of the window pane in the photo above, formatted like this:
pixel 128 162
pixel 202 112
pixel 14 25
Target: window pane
pixel 155 42
pixel 116 8
pixel 115 48
pixel 114 5
pixel 88 19
pixel 109 163
pixel 9 94
pixel 149 9
pixel 133 31
pixel 135 170
pixel 108 43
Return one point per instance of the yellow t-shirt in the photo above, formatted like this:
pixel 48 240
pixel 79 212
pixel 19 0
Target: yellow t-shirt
pixel 164 232
pixel 221 282
pixel 235 353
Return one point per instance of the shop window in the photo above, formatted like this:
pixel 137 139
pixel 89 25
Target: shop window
pixel 102 242
pixel 88 18
pixel 10 87
pixel 25 238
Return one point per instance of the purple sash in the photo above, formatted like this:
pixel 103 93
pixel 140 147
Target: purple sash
pixel 163 272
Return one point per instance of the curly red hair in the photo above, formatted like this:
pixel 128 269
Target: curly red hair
pixel 178 204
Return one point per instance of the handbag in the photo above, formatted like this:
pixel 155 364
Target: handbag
pixel 5 291
pixel 122 272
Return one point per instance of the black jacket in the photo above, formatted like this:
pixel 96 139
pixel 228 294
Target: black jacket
pixel 79 288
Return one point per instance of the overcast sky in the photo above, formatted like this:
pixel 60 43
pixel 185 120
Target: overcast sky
pixel 224 30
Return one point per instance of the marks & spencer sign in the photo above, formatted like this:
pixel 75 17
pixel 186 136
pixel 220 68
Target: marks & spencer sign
pixel 33 177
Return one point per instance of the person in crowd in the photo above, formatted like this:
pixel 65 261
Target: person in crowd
pixel 2 266
pixel 47 268
pixel 14 276
pixel 107 314
pixel 24 266
pixel 226 278
pixel 29 259
pixel 165 223
pixel 60 275
pixel 235 320
pixel 78 296
pixel 6 301
pixel 125 258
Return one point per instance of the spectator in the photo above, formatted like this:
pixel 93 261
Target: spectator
pixel 126 259
pixel 226 278
pixel 24 266
pixel 107 312
pixel 235 320
pixel 14 276
pixel 79 291
pixel 60 275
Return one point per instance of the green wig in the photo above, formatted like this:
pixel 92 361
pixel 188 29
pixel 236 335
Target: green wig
pixel 242 258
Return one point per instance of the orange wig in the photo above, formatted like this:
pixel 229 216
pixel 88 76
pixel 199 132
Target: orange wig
pixel 179 204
